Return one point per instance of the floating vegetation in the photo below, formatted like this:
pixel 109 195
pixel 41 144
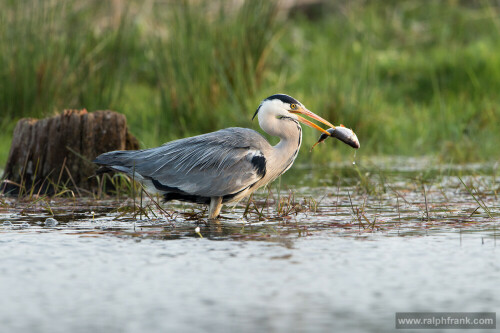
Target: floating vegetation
pixel 383 69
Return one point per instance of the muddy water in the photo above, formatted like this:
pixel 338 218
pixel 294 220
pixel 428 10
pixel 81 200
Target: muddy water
pixel 343 257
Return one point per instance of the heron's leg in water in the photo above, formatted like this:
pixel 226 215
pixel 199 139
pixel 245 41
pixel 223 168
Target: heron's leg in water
pixel 215 206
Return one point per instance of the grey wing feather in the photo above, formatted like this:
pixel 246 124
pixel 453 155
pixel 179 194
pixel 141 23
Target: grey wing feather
pixel 213 164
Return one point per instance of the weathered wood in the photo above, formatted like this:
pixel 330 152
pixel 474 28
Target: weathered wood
pixel 59 149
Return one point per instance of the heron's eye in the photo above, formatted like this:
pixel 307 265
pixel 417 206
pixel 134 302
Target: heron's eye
pixel 293 106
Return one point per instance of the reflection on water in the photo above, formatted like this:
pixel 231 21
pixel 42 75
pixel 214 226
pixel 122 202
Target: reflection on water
pixel 341 257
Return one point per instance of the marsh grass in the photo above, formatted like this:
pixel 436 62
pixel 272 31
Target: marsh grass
pixel 404 209
pixel 209 62
pixel 53 57
pixel 277 204
pixel 472 190
pixel 421 200
pixel 410 69
pixel 410 78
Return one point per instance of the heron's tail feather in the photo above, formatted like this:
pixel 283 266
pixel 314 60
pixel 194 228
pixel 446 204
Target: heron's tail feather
pixel 119 157
pixel 121 160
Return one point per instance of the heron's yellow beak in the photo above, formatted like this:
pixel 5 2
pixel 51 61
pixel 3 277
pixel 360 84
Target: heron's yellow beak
pixel 306 112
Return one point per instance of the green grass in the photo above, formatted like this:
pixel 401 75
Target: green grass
pixel 411 78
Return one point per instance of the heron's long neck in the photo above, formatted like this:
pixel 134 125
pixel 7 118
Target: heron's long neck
pixel 284 153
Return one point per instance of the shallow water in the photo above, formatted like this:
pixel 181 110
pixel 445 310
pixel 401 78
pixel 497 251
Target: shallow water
pixel 342 257
pixel 55 282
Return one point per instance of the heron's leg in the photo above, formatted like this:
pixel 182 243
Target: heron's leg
pixel 215 206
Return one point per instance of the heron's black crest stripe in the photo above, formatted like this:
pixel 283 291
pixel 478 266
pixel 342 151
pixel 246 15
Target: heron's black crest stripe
pixel 259 163
pixel 256 111
pixel 284 98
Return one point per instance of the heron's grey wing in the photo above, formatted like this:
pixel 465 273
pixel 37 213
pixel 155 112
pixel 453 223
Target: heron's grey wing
pixel 213 164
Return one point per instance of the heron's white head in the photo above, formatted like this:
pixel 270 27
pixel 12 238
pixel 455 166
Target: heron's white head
pixel 284 108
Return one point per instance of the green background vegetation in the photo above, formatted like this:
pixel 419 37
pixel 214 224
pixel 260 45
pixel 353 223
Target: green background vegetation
pixel 411 78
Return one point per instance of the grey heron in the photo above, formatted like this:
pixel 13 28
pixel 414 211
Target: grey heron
pixel 223 166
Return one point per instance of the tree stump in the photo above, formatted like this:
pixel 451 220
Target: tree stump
pixel 59 150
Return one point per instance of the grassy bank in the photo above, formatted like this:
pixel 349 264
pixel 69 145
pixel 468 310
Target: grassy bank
pixel 411 78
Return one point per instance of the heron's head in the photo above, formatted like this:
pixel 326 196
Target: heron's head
pixel 284 107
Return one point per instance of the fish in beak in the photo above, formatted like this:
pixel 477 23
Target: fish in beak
pixel 344 134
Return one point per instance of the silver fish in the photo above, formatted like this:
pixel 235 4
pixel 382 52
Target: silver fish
pixel 344 134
